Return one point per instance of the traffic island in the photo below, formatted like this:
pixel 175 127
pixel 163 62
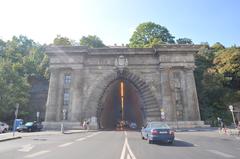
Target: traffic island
pixel 10 138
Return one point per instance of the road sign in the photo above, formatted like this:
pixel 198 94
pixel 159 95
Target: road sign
pixel 231 108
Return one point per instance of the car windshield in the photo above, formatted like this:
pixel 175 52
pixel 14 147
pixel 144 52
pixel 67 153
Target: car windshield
pixel 159 125
pixel 29 124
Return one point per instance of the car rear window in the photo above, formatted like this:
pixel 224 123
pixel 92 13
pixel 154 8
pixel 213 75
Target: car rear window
pixel 160 125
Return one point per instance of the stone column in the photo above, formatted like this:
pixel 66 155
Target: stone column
pixel 77 95
pixel 192 107
pixel 167 102
pixel 51 106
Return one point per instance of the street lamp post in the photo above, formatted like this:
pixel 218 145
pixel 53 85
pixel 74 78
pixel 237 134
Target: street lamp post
pixel 38 115
pixel 64 117
pixel 14 122
pixel 231 109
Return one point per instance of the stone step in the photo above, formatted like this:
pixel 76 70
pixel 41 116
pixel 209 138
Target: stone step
pixel 151 109
pixel 150 102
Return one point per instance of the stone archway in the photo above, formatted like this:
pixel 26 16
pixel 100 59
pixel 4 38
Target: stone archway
pixel 80 77
pixel 150 107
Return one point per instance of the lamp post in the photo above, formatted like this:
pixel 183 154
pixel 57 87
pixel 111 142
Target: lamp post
pixel 64 117
pixel 14 122
pixel 231 109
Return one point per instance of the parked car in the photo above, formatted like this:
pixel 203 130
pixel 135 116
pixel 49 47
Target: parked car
pixel 3 127
pixel 157 131
pixel 30 127
pixel 133 125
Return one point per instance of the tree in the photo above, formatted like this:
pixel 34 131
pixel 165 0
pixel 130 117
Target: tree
pixel 91 41
pixel 184 41
pixel 217 47
pixel 2 47
pixel 13 89
pixel 227 62
pixel 147 34
pixel 62 41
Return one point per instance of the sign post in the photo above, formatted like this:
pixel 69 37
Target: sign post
pixel 14 122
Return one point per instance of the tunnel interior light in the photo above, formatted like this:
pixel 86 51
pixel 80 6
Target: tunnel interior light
pixel 122 98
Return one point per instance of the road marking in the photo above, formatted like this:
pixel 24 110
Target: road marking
pixel 178 139
pixel 66 144
pixel 36 154
pixel 123 150
pixel 221 154
pixel 81 139
pixel 127 147
pixel 125 133
pixel 26 148
pixel 192 130
pixel 84 138
pixel 93 134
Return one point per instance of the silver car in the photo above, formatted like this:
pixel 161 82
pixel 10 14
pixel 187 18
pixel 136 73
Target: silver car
pixel 157 131
pixel 3 127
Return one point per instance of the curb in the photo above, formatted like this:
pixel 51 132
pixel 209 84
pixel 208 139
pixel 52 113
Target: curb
pixel 11 138
pixel 72 132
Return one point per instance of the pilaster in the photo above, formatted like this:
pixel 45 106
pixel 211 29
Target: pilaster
pixel 51 106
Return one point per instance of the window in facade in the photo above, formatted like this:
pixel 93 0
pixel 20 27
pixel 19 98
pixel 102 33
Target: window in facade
pixel 67 79
pixel 66 97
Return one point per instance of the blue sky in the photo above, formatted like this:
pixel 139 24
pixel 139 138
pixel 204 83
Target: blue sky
pixel 115 20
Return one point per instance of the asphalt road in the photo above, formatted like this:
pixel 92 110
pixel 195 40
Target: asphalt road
pixel 121 145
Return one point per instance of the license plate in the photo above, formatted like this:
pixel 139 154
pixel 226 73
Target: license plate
pixel 163 132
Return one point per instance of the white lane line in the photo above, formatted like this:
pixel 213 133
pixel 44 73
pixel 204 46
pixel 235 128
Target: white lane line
pixel 81 139
pixel 84 138
pixel 127 147
pixel 123 150
pixel 128 156
pixel 125 133
pixel 26 148
pixel 36 154
pixel 221 154
pixel 94 134
pixel 66 144
pixel 130 151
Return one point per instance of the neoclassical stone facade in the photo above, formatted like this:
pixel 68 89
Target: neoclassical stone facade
pixel 163 77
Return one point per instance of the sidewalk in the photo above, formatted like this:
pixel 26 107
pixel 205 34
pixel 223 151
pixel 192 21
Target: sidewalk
pixel 19 135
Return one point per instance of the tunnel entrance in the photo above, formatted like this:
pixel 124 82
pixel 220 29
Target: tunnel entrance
pixel 121 103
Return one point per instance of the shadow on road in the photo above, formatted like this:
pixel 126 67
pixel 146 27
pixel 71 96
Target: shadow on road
pixel 177 143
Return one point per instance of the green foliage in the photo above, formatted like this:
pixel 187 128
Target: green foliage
pixel 184 41
pixel 13 89
pixel 228 61
pixel 21 58
pixel 92 41
pixel 62 41
pixel 217 47
pixel 214 91
pixel 149 34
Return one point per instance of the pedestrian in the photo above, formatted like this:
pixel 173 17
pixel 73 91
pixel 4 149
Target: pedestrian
pixel 84 125
pixel 87 126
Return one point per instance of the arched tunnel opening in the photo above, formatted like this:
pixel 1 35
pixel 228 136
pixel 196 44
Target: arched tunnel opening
pixel 121 104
